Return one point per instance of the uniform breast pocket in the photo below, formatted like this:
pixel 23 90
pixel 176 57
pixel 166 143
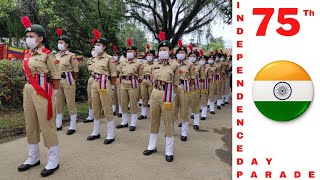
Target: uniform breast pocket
pixel 41 65
pixel 104 67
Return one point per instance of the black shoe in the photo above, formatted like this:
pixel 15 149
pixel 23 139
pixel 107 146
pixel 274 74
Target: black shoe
pixel 208 106
pixel 120 115
pixel 71 131
pixel 200 110
pixel 114 113
pixel 142 117
pixel 219 107
pixel 121 126
pixel 47 172
pixel 226 103
pixel 91 138
pixel 203 118
pixel 149 152
pixel 88 121
pixel 195 127
pixel 222 104
pixel 108 141
pixel 24 167
pixel 184 138
pixel 140 104
pixel 59 129
pixel 192 117
pixel 169 158
pixel 148 105
pixel 128 109
pixel 180 125
pixel 132 128
pixel 212 112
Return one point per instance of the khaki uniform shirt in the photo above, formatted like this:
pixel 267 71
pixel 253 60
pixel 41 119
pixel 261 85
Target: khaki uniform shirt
pixel 68 62
pixel 43 64
pixel 132 68
pixel 105 65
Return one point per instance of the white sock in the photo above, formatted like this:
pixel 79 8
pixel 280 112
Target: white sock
pixel 152 141
pixel 114 108
pixel 134 118
pixel 59 120
pixel 211 106
pixel 144 111
pixel 53 158
pixel 196 120
pixel 120 110
pixel 184 129
pixel 90 117
pixel 204 111
pixel 124 119
pixel 169 145
pixel 110 130
pixel 73 121
pixel 34 154
pixel 96 127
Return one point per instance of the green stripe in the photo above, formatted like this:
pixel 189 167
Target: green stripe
pixel 282 110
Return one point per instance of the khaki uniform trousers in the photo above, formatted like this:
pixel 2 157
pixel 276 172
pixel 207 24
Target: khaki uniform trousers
pixel 129 94
pixel 182 105
pixel 204 97
pixel 102 102
pixel 146 89
pixel 89 87
pixel 66 93
pixel 157 111
pixel 116 97
pixel 36 118
pixel 195 101
pixel 223 87
pixel 227 86
pixel 213 86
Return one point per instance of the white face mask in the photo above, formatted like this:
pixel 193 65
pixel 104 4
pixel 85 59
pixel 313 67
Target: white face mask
pixel 116 58
pixel 202 62
pixel 210 61
pixel 222 59
pixel 31 43
pixel 98 49
pixel 130 55
pixel 61 47
pixel 181 56
pixel 149 58
pixel 192 59
pixel 163 54
pixel 144 61
pixel 155 59
pixel 217 58
pixel 94 53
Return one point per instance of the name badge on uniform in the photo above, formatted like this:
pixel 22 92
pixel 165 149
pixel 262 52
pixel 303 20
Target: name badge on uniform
pixel 103 91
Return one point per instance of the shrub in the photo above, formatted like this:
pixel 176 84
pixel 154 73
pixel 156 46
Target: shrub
pixel 11 82
pixel 81 86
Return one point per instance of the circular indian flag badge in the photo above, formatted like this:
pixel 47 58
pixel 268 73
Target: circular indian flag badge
pixel 282 90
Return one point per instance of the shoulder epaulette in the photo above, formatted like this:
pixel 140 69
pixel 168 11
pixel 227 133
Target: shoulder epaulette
pixel 45 50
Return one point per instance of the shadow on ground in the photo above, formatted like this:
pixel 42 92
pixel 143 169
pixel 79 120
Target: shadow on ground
pixel 225 153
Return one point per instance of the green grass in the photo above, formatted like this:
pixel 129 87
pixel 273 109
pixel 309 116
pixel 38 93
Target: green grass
pixel 15 119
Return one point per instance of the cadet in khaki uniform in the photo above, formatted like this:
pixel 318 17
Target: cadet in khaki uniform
pixel 105 79
pixel 116 98
pixel 39 93
pixel 204 67
pixel 131 75
pixel 220 79
pixel 162 98
pixel 228 80
pixel 212 79
pixel 90 64
pixel 197 77
pixel 68 67
pixel 146 85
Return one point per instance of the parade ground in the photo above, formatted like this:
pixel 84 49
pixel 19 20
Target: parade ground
pixel 206 154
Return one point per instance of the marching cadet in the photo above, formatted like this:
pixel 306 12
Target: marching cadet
pixel 116 99
pixel 204 67
pixel 39 94
pixel 228 81
pixel 146 85
pixel 162 98
pixel 68 67
pixel 131 75
pixel 197 76
pixel 182 100
pixel 90 65
pixel 105 79
pixel 212 79
pixel 220 79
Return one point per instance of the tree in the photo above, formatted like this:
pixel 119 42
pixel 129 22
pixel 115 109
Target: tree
pixel 174 17
pixel 226 12
pixel 137 36
pixel 215 43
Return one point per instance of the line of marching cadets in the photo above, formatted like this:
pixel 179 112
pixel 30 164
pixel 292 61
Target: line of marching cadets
pixel 174 86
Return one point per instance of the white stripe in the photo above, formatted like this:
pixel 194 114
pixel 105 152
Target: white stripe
pixel 264 91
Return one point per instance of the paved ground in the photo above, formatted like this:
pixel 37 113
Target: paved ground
pixel 206 154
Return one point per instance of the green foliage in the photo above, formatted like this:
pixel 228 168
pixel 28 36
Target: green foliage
pixel 11 83
pixel 215 43
pixel 137 36
pixel 81 86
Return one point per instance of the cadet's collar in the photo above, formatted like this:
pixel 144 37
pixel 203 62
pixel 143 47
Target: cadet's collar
pixel 103 55
pixel 37 50
pixel 64 52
